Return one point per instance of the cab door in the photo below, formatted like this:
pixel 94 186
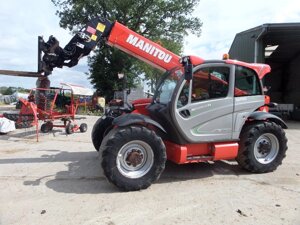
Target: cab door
pixel 248 97
pixel 203 108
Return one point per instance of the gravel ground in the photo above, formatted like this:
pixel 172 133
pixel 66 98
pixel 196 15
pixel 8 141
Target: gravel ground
pixel 58 180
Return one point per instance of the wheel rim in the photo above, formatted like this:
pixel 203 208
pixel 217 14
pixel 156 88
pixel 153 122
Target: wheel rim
pixel 135 159
pixel 266 148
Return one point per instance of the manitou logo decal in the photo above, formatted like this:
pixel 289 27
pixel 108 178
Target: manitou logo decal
pixel 150 49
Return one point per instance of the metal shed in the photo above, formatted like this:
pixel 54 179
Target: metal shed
pixel 279 46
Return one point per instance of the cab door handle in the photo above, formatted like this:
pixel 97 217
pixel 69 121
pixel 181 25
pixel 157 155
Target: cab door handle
pixel 185 113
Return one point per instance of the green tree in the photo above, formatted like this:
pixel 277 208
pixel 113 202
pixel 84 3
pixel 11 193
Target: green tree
pixel 167 21
pixel 9 91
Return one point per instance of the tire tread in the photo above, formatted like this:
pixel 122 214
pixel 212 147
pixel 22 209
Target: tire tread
pixel 120 135
pixel 248 137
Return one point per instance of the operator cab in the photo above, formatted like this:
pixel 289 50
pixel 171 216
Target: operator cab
pixel 211 106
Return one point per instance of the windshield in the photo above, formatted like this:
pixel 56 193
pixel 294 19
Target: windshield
pixel 166 86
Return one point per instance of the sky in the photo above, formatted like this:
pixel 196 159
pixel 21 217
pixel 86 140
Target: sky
pixel 23 21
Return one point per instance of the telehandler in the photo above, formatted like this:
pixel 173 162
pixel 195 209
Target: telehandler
pixel 202 110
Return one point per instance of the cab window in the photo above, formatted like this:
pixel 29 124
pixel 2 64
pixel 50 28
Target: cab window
pixel 246 82
pixel 210 83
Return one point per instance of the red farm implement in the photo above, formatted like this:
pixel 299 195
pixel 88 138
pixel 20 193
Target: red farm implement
pixel 51 105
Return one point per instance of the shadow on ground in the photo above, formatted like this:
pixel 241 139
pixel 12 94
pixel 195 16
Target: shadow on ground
pixel 30 134
pixel 84 174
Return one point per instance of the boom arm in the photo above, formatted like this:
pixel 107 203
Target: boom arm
pixel 98 32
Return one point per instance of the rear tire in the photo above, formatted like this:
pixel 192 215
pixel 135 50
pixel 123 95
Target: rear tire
pixel 262 147
pixel 133 157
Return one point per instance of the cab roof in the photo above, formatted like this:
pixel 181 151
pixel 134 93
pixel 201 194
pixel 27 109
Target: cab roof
pixel 259 68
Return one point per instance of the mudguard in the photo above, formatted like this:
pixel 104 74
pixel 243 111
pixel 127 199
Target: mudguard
pixel 258 115
pixel 129 119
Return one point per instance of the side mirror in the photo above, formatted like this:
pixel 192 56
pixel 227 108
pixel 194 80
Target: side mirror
pixel 188 72
pixel 188 68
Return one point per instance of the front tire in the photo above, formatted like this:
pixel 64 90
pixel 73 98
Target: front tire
pixel 133 157
pixel 100 129
pixel 262 148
